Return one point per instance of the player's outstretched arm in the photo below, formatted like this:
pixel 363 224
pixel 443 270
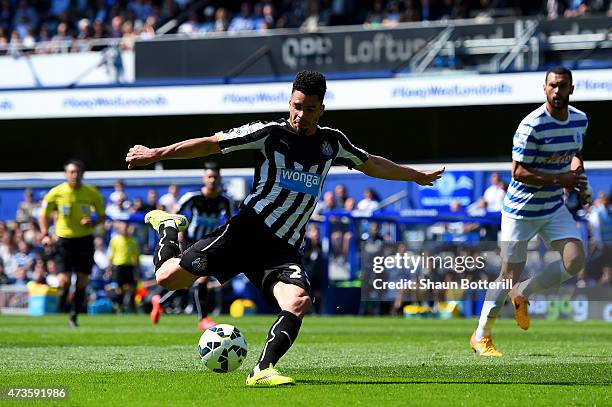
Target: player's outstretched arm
pixel 380 167
pixel 197 147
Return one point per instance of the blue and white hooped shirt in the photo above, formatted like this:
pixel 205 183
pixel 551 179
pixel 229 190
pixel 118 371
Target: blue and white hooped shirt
pixel 547 145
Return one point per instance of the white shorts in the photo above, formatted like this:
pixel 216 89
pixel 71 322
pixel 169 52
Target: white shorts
pixel 516 233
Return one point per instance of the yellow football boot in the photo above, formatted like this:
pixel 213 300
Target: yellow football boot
pixel 157 217
pixel 269 377
pixel 521 314
pixel 484 347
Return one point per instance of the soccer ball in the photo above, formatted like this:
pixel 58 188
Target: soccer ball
pixel 222 348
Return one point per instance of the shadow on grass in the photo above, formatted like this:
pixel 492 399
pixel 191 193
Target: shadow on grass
pixel 323 382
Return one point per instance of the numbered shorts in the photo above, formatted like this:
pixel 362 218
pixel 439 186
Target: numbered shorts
pixel 516 233
pixel 246 245
pixel 75 254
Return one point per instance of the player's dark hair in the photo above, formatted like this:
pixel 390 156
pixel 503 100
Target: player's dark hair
pixel 212 166
pixel 78 163
pixel 310 83
pixel 559 70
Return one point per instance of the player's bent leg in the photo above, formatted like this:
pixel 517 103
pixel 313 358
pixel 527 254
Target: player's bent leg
pixel 200 295
pixel 172 276
pixel 481 340
pixel 292 298
pixel 555 273
pixel 294 302
pixel 572 253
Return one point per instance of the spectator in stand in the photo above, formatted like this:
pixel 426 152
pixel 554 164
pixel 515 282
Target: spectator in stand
pixel 5 15
pixel 327 204
pixel 169 200
pixel 312 21
pixel 28 208
pixel 340 196
pixel 448 10
pixel 393 16
pixel 3 41
pixel 221 20
pixel 99 30
pixel 478 208
pixel 350 204
pixel 268 20
pixel 151 202
pixel 370 201
pixel 8 250
pixel 376 15
pixel 44 40
pixel 411 12
pixel 119 189
pixel 4 279
pixel 83 43
pixel 576 8
pixel 62 40
pixel 128 36
pixel 495 193
pixel 148 28
pixel 142 9
pixel 120 208
pixel 208 25
pixel 191 26
pixel 25 12
pixel 53 276
pixel 115 32
pixel 243 21
pixel 25 256
pixel 312 254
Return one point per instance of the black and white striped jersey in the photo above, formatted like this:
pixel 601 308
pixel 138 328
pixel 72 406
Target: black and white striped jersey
pixel 290 171
pixel 205 214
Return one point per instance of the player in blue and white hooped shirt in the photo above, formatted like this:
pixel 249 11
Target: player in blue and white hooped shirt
pixel 545 159
pixel 293 156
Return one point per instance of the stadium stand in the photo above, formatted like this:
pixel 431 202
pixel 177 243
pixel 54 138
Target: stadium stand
pixel 54 26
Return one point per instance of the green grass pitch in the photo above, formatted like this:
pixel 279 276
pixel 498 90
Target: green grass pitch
pixel 124 360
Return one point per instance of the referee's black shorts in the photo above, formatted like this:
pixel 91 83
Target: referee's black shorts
pixel 246 245
pixel 75 254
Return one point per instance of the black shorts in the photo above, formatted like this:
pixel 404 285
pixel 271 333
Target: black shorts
pixel 246 245
pixel 124 274
pixel 75 254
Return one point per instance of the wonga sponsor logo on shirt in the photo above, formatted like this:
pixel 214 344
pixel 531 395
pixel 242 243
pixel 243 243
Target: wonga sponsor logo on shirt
pixel 300 181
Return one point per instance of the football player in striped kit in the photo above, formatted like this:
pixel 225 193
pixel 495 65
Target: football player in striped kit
pixel 546 157
pixel 293 158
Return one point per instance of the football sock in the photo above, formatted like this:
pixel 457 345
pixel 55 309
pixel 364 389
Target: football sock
pixel 553 275
pixel 63 299
pixel 167 297
pixel 493 304
pixel 280 338
pixel 77 302
pixel 199 296
pixel 167 246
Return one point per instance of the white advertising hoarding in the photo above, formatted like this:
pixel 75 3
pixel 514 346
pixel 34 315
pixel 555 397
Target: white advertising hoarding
pixel 404 92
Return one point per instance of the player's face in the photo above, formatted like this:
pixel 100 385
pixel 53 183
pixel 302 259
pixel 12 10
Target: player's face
pixel 211 179
pixel 304 112
pixel 73 174
pixel 558 89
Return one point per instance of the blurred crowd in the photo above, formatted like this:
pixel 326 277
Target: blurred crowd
pixel 24 259
pixel 50 26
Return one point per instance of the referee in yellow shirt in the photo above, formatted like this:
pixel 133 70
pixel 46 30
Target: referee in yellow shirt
pixel 123 254
pixel 74 203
